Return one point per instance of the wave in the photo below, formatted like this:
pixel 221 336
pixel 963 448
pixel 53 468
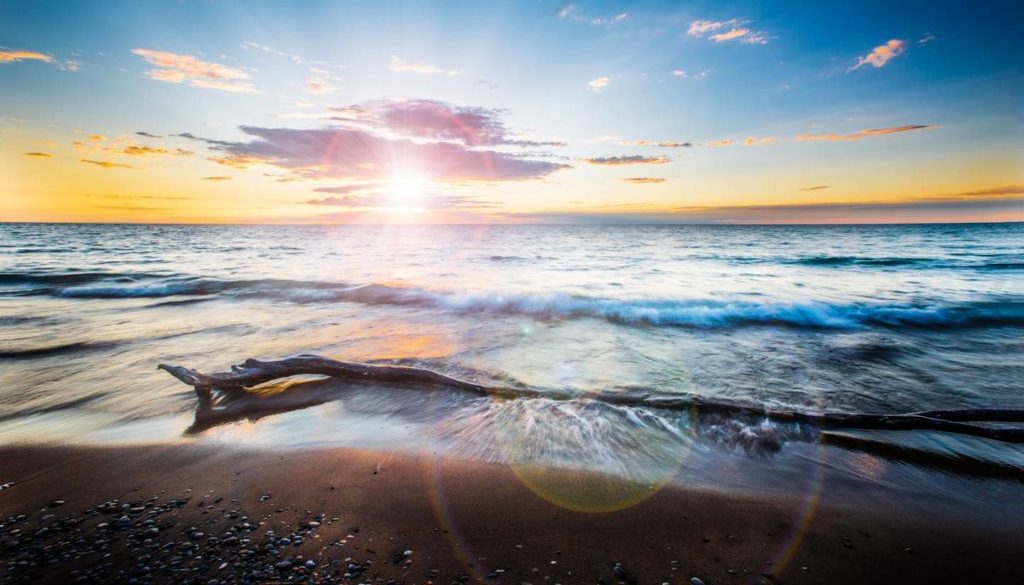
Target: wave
pixel 861 261
pixel 694 313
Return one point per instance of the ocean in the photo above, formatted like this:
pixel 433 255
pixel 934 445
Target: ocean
pixel 838 319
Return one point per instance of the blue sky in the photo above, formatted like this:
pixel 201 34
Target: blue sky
pixel 606 79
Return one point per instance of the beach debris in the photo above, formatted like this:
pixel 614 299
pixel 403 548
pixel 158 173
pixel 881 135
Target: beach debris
pixel 253 372
pixel 696 581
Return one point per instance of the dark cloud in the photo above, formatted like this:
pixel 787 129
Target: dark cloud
pixel 644 180
pixel 437 120
pixel 635 159
pixel 39 154
pixel 147 134
pixel 107 164
pixel 814 188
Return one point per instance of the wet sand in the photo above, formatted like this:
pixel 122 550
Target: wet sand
pixel 201 514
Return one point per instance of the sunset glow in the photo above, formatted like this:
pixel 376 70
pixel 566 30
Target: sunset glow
pixel 659 113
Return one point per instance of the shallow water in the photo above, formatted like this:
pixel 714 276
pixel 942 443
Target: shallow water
pixel 883 319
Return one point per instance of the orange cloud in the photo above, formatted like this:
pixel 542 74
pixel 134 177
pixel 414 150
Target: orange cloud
pixel 217 178
pixel 14 56
pixel 860 134
pixel 717 143
pixel 882 54
pixel 754 141
pixel 175 68
pixel 39 154
pixel 141 150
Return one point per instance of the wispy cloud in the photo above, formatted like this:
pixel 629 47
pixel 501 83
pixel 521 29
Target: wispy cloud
pixel 217 178
pixel 108 165
pixel 38 155
pixel 719 143
pixel 320 82
pixel 177 68
pixel 881 54
pixel 861 134
pixel 384 199
pixel 643 180
pixel 147 135
pixel 570 13
pixel 721 31
pixel 635 159
pixel 599 84
pixel 661 144
pixel 399 65
pixel 814 188
pixel 762 141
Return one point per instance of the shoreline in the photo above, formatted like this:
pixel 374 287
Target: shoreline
pixel 463 521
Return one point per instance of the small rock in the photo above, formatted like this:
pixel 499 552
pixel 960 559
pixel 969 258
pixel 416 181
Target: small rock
pixel 696 581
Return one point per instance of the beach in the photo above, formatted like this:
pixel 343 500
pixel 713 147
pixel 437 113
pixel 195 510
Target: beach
pixel 383 517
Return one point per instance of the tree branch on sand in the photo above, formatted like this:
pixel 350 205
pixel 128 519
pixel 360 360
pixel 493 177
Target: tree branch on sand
pixel 255 372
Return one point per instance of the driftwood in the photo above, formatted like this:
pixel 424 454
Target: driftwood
pixel 255 372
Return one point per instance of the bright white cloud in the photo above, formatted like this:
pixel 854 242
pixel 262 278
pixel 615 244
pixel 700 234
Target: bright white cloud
pixel 399 65
pixel 599 84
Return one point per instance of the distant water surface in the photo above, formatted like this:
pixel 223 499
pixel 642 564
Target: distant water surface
pixel 881 319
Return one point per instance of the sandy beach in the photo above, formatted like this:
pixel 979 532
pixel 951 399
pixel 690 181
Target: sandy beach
pixel 197 514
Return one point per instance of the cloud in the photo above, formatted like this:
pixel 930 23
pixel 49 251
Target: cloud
pixel 755 141
pixel 97 138
pixel 662 144
pixel 356 153
pixel 721 31
pixel 15 55
pixel 814 188
pixel 881 54
pixel 38 155
pixel 108 164
pixel 926 38
pixel 399 65
pixel 642 180
pixel 599 84
pixel 861 134
pixel 437 120
pixel 320 82
pixel 571 14
pixel 719 143
pixel 177 68
pixel 142 150
pixel 217 178
pixel 148 135
pixel 1005 191
pixel 381 198
pixel 635 159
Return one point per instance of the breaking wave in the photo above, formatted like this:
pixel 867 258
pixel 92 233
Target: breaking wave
pixel 679 312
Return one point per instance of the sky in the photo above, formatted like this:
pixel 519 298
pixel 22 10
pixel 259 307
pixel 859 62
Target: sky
pixel 526 111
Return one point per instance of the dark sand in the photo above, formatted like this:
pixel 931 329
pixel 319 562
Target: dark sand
pixel 462 521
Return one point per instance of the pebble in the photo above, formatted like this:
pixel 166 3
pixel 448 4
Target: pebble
pixel 696 581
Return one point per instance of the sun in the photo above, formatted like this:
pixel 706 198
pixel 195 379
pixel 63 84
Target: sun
pixel 406 191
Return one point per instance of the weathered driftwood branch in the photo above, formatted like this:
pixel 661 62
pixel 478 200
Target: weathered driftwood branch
pixel 254 372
